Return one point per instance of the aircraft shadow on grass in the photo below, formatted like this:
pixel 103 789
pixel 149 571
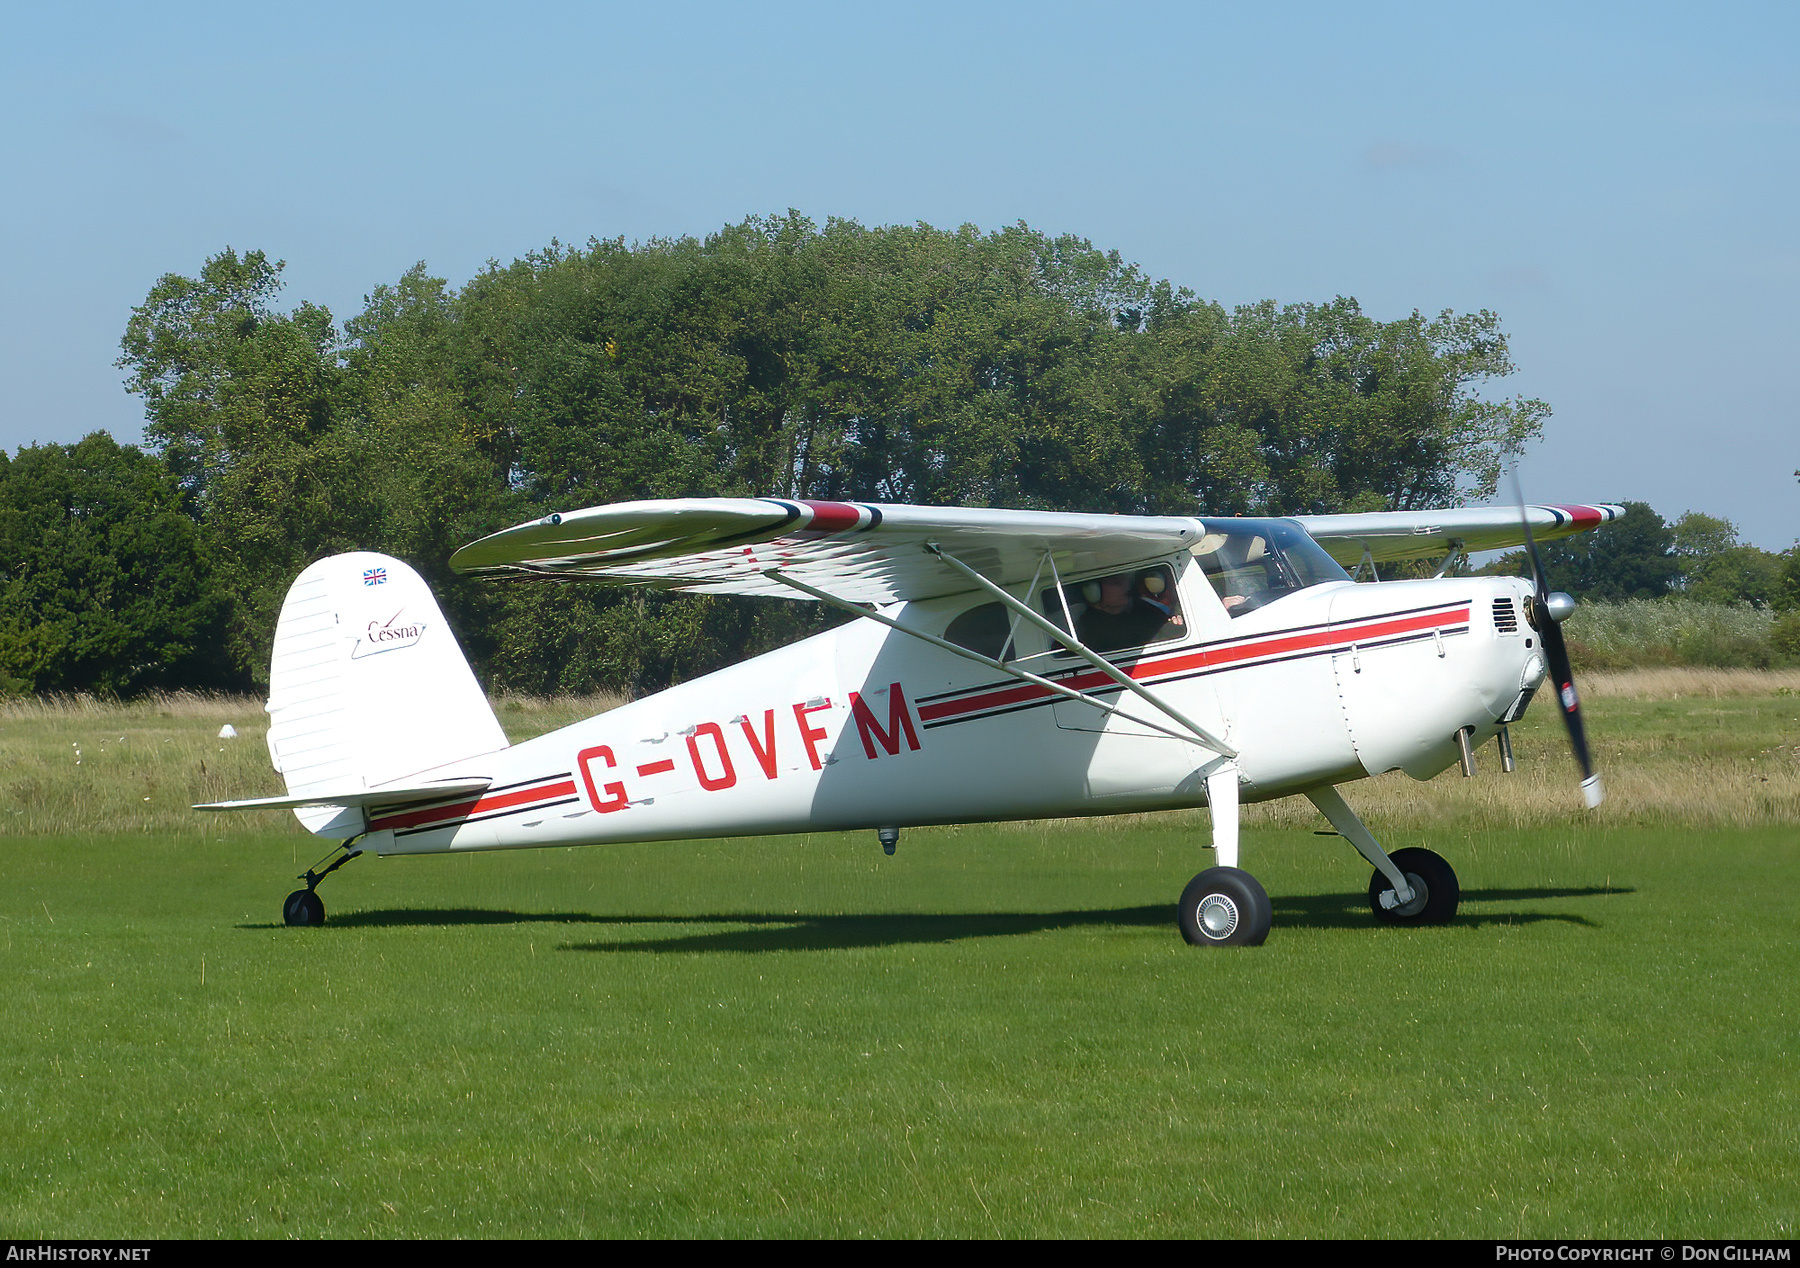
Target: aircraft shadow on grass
pixel 770 931
pixel 1345 911
pixel 809 932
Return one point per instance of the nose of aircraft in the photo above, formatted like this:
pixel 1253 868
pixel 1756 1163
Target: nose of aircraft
pixel 1428 659
pixel 1519 646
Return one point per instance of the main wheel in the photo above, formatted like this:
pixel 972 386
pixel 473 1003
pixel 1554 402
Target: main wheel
pixel 303 907
pixel 1435 891
pixel 1225 907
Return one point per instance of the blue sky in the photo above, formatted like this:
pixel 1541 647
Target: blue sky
pixel 1618 182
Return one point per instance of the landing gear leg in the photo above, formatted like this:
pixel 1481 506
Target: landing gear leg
pixel 1224 906
pixel 1222 805
pixel 1413 887
pixel 304 907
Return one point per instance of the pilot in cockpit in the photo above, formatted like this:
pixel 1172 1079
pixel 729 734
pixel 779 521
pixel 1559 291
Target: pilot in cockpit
pixel 1127 610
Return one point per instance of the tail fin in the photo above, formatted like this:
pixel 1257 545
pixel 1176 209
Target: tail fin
pixel 367 686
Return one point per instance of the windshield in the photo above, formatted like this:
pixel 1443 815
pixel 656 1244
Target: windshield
pixel 1255 562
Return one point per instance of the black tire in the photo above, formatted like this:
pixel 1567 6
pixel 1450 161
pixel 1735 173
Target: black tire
pixel 1424 871
pixel 1225 907
pixel 303 908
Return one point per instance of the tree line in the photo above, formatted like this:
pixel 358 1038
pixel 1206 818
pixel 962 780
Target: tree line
pixel 774 357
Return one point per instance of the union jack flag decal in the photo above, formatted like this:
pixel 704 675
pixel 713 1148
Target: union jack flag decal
pixel 374 576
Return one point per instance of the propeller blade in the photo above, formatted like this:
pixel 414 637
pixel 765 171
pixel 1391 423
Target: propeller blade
pixel 1531 550
pixel 1556 653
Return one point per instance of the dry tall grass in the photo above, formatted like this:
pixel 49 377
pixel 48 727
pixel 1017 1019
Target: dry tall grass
pixel 73 764
pixel 1706 747
pixel 1709 795
pixel 524 716
pixel 77 764
pixel 205 706
pixel 1681 684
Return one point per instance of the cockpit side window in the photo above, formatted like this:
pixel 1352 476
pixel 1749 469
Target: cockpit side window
pixel 1255 562
pixel 1126 609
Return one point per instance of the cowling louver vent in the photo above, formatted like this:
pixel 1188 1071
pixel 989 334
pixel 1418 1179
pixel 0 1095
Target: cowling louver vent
pixel 1506 617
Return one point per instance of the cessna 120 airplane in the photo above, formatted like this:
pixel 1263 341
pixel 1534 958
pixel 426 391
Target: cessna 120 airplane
pixel 1004 665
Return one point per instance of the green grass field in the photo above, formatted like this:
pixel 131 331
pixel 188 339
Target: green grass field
pixel 995 1032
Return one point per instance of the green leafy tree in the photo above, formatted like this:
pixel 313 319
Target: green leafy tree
pixel 1697 538
pixel 774 357
pixel 104 582
pixel 297 441
pixel 1633 558
pixel 238 398
pixel 1787 595
pixel 1346 413
pixel 1718 568
pixel 223 375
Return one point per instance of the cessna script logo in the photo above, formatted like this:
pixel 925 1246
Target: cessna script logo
pixel 387 636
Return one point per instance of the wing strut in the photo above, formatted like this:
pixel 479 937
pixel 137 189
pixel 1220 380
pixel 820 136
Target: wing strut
pixel 1075 645
pixel 1011 671
pixel 1456 554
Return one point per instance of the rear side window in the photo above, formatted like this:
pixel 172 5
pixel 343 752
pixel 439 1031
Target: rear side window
pixel 984 630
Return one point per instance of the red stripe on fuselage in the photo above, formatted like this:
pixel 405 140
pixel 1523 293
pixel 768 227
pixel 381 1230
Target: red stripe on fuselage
pixel 1201 658
pixel 482 805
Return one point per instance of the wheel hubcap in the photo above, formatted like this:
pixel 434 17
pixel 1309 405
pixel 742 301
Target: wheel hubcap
pixel 1218 916
pixel 1421 896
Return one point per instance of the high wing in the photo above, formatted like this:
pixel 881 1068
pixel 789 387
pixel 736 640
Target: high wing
pixel 1386 536
pixel 859 551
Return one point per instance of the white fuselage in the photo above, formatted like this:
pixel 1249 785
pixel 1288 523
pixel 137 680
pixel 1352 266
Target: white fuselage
pixel 864 726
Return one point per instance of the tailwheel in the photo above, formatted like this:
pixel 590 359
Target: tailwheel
pixel 1225 907
pixel 1435 891
pixel 303 908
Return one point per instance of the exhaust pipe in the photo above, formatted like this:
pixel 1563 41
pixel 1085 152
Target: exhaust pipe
pixel 1466 751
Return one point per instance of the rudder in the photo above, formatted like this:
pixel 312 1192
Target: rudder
pixel 367 685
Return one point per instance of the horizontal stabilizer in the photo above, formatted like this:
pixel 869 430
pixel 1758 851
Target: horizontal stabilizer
pixel 360 797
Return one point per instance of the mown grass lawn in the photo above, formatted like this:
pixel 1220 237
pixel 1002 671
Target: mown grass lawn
pixel 996 1032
